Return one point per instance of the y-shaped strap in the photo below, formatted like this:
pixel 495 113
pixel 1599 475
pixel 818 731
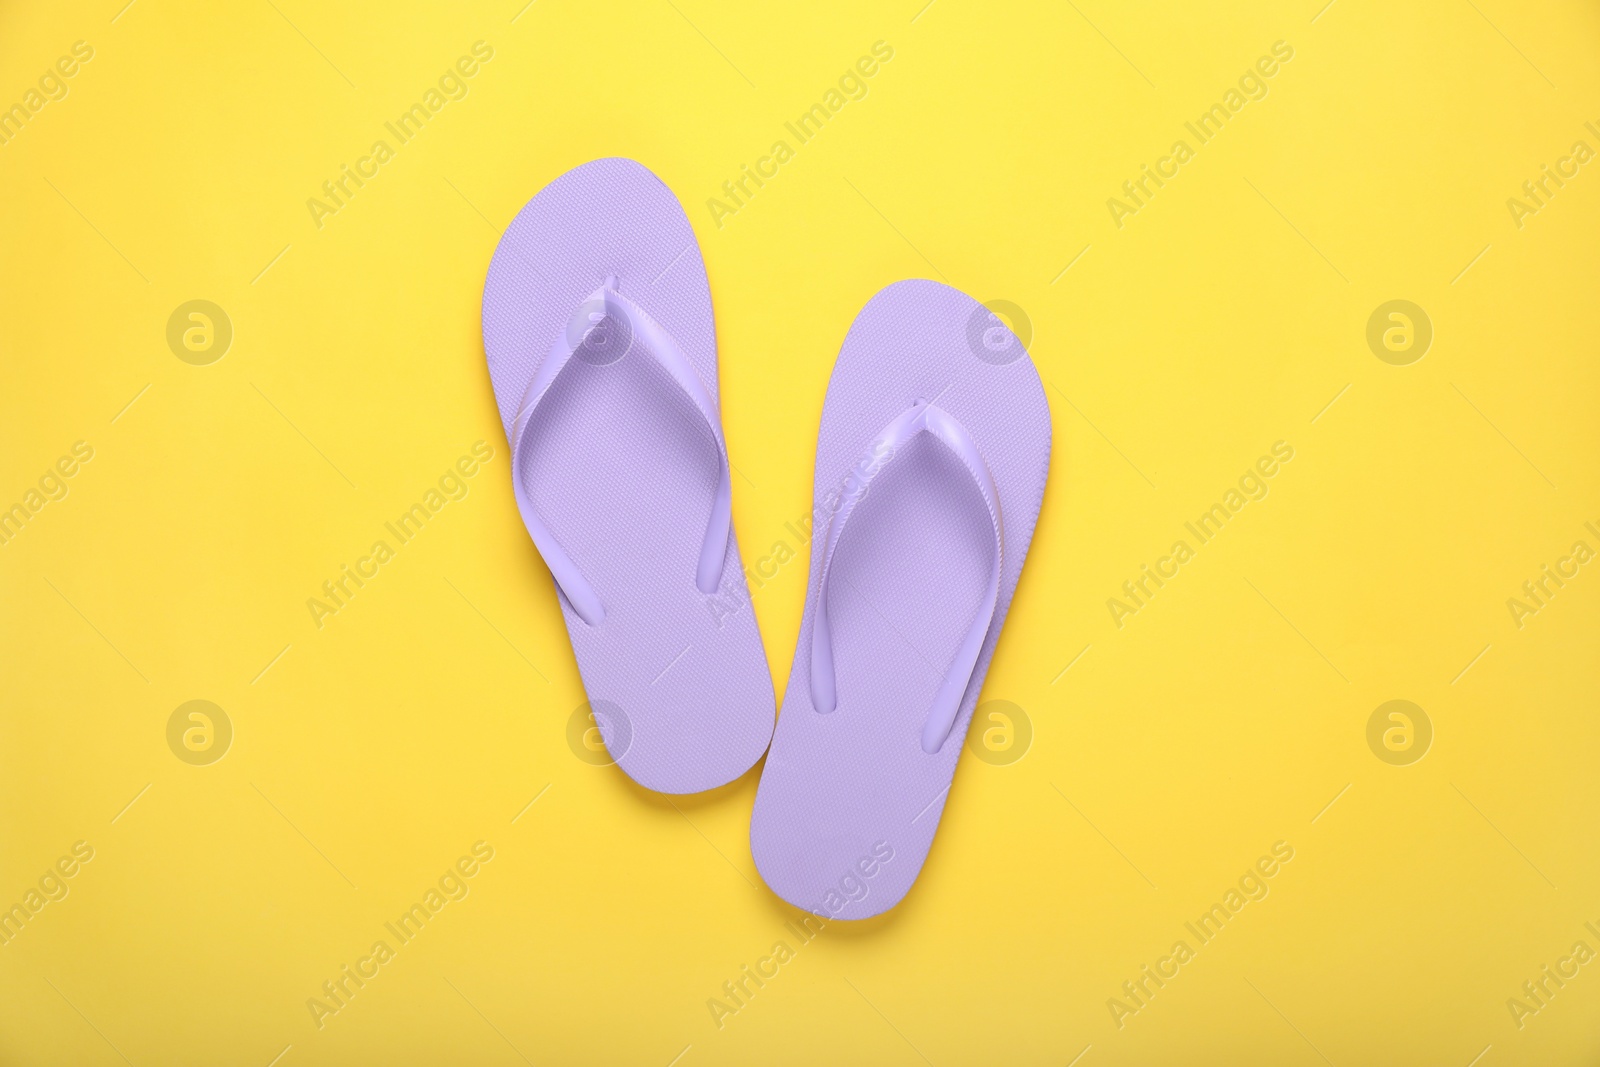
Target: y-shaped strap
pixel 919 418
pixel 603 304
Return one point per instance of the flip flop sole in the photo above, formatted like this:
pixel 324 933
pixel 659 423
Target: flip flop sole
pixel 622 469
pixel 849 801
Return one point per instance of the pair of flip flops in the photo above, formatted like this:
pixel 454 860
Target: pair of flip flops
pixel 931 464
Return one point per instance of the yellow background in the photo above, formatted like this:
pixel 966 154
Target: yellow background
pixel 1225 716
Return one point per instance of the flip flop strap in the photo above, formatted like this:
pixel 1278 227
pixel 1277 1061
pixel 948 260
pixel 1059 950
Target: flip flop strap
pixel 605 302
pixel 921 417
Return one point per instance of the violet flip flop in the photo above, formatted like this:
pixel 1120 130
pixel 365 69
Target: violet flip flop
pixel 931 465
pixel 598 330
